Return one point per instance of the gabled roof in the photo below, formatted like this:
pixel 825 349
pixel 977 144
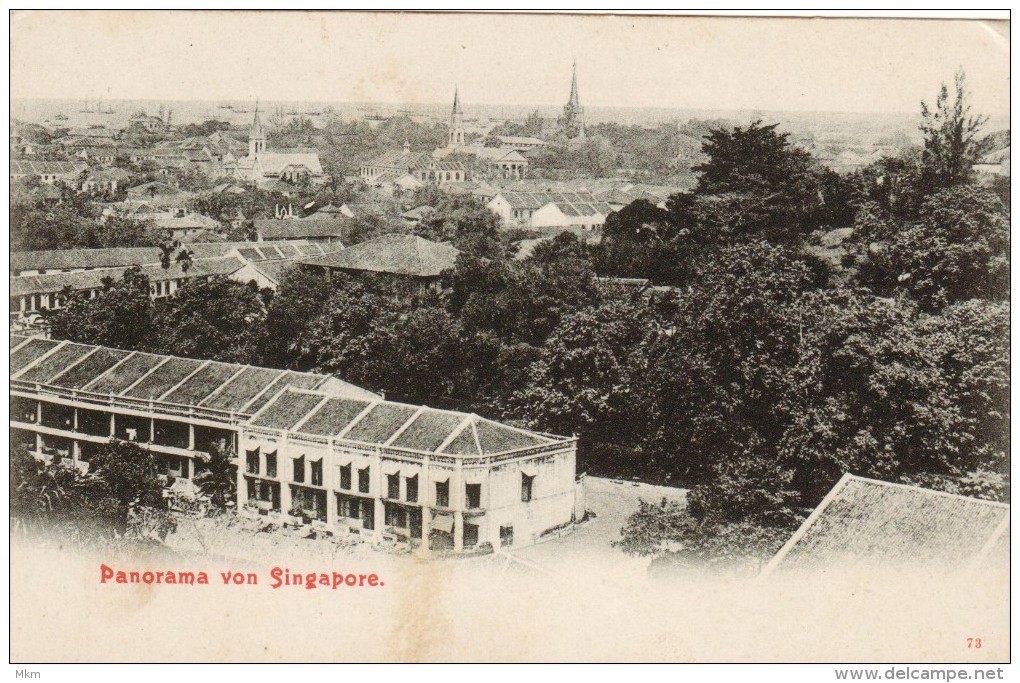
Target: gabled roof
pixel 303 228
pixel 191 221
pixel 166 380
pixel 397 426
pixel 570 203
pixel 24 167
pixel 399 159
pixel 397 254
pixel 25 285
pixel 866 524
pixel 493 154
pixel 273 163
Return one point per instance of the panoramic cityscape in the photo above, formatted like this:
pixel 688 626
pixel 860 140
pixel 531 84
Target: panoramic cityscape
pixel 678 353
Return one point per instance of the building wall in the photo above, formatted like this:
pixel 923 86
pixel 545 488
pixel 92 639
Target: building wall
pixel 67 430
pixel 501 505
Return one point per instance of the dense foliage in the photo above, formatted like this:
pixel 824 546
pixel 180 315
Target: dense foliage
pixel 749 368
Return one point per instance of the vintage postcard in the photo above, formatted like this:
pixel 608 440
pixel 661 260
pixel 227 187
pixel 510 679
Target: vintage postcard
pixel 492 337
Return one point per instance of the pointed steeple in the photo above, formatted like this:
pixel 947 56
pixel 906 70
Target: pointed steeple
pixel 457 111
pixel 574 99
pixel 257 135
pixel 456 121
pixel 572 121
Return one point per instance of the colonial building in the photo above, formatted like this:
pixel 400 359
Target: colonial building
pixel 67 398
pixel 312 450
pixel 406 262
pixel 409 170
pixel 39 279
pixel 579 210
pixel 49 172
pixel 262 165
pixel 405 473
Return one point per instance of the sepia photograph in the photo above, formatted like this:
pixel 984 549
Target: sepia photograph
pixel 510 337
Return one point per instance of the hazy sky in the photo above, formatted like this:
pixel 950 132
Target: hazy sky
pixel 700 63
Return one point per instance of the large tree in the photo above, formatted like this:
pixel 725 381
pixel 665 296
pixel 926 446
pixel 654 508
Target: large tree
pixel 950 138
pixel 121 315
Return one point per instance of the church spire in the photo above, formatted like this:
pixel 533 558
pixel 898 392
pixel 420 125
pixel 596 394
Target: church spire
pixel 257 135
pixel 574 99
pixel 572 121
pixel 457 111
pixel 456 121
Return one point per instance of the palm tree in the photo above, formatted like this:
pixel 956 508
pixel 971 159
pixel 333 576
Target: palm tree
pixel 218 480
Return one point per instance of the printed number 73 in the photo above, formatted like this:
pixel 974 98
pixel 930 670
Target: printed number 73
pixel 974 643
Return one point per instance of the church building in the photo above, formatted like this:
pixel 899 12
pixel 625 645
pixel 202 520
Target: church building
pixel 268 168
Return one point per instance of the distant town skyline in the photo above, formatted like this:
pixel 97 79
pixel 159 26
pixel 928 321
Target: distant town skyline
pixel 712 63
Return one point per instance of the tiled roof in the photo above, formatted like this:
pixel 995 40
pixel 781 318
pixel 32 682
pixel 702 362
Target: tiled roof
pixel 493 154
pixel 427 164
pixel 189 222
pixel 273 163
pixel 107 174
pixel 301 228
pixel 396 425
pixel 399 159
pixel 570 203
pixel 865 524
pixel 23 167
pixel 67 259
pixel 227 387
pixel 25 285
pixel 398 254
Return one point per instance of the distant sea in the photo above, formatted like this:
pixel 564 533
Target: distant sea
pixel 82 113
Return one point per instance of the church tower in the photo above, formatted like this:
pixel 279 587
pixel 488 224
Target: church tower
pixel 572 122
pixel 256 136
pixel 456 122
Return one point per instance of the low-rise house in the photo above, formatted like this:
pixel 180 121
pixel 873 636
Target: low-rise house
pixel 407 263
pixel 185 226
pixel 105 179
pixel 577 210
pixel 417 215
pixel 329 229
pixel 409 170
pixel 33 294
pixel 102 155
pixel 78 260
pixel 49 172
pixel 151 124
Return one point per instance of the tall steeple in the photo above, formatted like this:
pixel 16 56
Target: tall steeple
pixel 574 100
pixel 572 121
pixel 456 121
pixel 256 136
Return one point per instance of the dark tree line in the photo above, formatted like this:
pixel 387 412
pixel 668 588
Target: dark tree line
pixel 752 370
